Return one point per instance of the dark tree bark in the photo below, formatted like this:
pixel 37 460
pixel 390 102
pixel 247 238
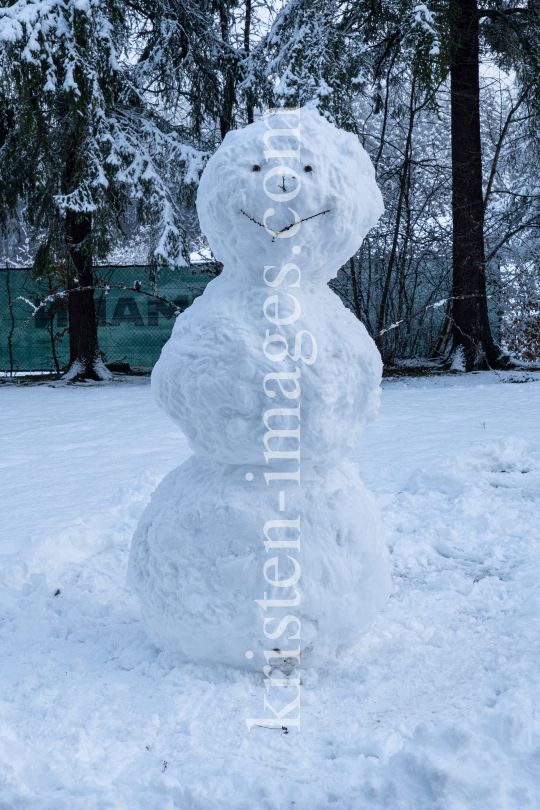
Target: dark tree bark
pixel 356 302
pixel 83 340
pixel 226 117
pixel 471 324
pixel 247 30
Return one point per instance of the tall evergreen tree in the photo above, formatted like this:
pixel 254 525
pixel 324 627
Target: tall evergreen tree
pixel 511 35
pixel 197 61
pixel 330 51
pixel 80 141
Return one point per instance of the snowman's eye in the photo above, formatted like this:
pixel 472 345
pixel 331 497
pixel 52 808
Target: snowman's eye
pixel 256 168
pixel 308 169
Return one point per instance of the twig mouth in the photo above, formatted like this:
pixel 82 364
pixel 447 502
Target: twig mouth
pixel 287 227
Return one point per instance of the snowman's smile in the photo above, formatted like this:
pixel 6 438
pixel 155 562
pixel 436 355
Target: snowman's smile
pixel 287 227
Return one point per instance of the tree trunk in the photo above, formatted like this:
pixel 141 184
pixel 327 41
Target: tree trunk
pixel 247 29
pixel 471 329
pixel 84 359
pixel 226 117
pixel 356 302
pixel 404 179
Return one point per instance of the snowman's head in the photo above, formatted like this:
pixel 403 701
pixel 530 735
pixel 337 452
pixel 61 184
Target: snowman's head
pixel 291 187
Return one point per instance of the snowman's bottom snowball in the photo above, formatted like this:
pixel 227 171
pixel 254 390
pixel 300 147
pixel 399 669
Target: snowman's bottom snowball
pixel 198 553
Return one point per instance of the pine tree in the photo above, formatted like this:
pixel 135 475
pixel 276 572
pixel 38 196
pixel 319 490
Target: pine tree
pixel 80 142
pixel 197 61
pixel 330 51
pixel 512 36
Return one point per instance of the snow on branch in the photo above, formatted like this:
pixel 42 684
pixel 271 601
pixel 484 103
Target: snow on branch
pixel 424 18
pixel 436 305
pixel 124 146
pixel 105 288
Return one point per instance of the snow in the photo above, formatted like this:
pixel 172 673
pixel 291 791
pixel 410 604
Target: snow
pixel 269 418
pixel 435 709
pixel 210 373
pixel 342 179
pixel 207 587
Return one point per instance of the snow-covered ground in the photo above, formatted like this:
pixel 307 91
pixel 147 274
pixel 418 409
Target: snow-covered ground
pixel 436 709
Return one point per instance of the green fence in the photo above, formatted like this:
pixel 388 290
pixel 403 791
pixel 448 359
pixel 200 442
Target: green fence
pixel 131 327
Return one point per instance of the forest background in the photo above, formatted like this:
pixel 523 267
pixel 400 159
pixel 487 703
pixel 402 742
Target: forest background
pixel 109 110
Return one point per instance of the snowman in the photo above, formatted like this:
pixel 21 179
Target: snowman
pixel 264 548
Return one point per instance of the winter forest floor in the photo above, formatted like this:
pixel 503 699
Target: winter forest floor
pixel 435 709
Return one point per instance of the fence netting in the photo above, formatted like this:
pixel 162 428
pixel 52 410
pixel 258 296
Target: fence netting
pixel 131 327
